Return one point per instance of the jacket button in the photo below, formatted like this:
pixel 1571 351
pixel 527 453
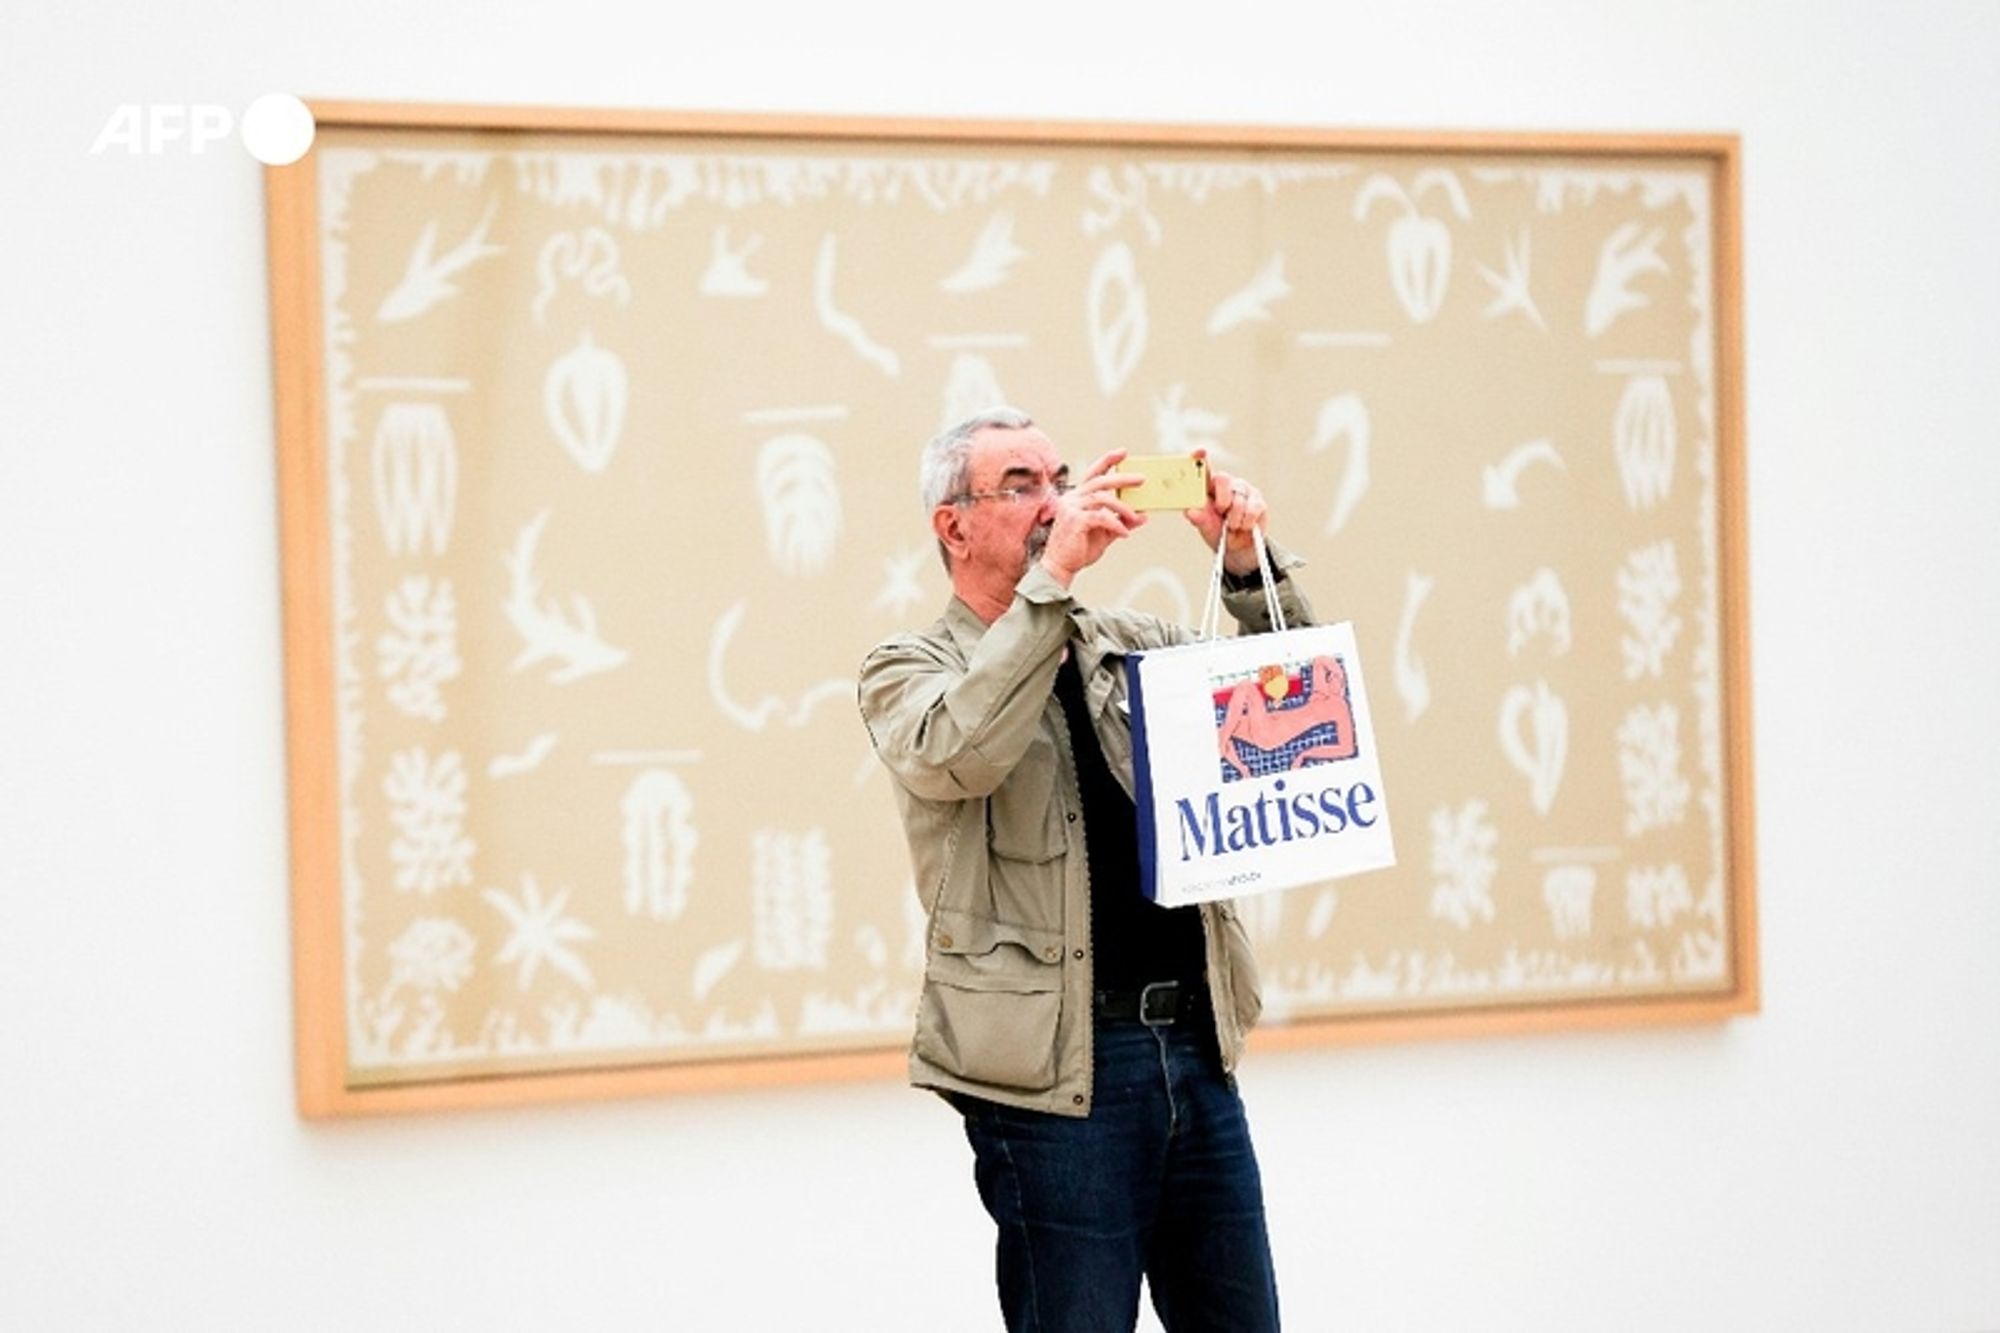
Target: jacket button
pixel 1072 816
pixel 1079 953
pixel 1077 1099
pixel 944 941
pixel 1052 953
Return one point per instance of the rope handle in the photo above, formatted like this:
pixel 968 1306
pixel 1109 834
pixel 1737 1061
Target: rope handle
pixel 1209 627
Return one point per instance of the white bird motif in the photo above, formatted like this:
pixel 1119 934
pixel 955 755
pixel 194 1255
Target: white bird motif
pixel 1253 302
pixel 427 279
pixel 993 254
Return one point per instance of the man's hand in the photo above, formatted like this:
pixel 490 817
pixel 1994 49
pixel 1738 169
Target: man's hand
pixel 1090 518
pixel 1234 509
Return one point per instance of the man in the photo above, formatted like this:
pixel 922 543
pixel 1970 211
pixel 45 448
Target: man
pixel 1086 1036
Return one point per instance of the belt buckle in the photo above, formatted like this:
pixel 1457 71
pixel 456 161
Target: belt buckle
pixel 1159 1002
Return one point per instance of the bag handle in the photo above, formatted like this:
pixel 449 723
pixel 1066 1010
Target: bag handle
pixel 1210 625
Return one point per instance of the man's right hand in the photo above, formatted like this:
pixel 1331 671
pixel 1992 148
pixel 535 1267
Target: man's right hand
pixel 1090 518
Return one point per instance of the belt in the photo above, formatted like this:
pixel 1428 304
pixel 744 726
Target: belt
pixel 1160 1004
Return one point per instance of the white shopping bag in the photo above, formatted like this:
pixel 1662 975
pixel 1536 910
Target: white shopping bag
pixel 1254 760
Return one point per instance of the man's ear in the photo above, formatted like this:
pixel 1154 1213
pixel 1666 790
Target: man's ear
pixel 948 524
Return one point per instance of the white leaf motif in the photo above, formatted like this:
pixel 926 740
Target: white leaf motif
pixel 1117 317
pixel 801 501
pixel 713 965
pixel 1643 439
pixel 584 397
pixel 660 839
pixel 414 465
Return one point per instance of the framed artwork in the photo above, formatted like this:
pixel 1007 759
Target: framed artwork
pixel 598 439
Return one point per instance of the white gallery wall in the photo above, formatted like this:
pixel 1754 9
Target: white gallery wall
pixel 1833 1163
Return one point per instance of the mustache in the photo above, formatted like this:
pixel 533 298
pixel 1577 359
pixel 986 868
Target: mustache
pixel 1037 540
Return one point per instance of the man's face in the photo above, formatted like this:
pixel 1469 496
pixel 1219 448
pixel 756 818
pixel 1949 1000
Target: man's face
pixel 1005 536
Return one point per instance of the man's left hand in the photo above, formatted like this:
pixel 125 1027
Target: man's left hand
pixel 1234 509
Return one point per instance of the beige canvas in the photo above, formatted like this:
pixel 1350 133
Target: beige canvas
pixel 619 485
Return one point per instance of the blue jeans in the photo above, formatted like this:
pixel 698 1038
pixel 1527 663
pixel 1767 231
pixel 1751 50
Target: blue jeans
pixel 1159 1180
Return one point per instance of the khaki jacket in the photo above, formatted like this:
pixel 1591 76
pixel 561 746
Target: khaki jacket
pixel 965 717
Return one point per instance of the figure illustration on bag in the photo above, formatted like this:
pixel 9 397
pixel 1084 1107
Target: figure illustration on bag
pixel 1282 719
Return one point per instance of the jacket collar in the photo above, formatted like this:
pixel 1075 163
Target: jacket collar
pixel 1089 644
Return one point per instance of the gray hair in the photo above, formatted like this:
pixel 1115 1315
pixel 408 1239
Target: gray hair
pixel 944 472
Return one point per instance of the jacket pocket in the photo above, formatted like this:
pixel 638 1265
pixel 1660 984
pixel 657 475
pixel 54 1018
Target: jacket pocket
pixel 1246 992
pixel 992 996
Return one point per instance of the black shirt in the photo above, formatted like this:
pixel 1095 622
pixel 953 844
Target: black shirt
pixel 1134 941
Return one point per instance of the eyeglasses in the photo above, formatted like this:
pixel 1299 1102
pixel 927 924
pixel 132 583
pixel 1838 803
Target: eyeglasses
pixel 1033 493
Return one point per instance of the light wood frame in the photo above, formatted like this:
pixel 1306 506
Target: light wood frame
pixel 302 457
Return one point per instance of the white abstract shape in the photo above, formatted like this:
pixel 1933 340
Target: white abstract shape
pixel 427 278
pixel 1539 751
pixel 713 965
pixel 590 256
pixel 1419 246
pixel 868 940
pixel 900 588
pixel 545 631
pixel 1623 257
pixel 1649 582
pixel 659 838
pixel 1499 482
pixel 1539 606
pixel 1113 203
pixel 530 759
pixel 791 900
pixel 419 650
pixel 842 326
pixel 1168 583
pixel 1413 682
pixel 1321 917
pixel 1253 302
pixel 1643 440
pixel 970 388
pixel 756 716
pixel 1649 759
pixel 801 503
pixel 1116 315
pixel 584 397
pixel 1656 896
pixel 1568 890
pixel 414 465
pixel 434 953
pixel 1510 289
pixel 540 933
pixel 728 271
pixel 1180 429
pixel 1344 415
pixel 430 850
pixel 993 255
pixel 1462 844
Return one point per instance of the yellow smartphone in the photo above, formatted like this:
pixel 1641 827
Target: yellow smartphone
pixel 1173 481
